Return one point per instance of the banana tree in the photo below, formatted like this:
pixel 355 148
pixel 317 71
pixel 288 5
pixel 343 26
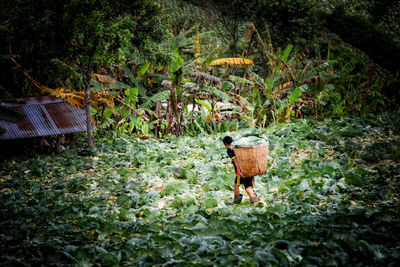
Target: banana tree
pixel 287 78
pixel 174 114
pixel 206 95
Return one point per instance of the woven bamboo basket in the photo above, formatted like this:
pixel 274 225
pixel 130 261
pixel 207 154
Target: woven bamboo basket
pixel 252 159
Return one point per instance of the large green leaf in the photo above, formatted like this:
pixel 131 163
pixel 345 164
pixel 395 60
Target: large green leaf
pixel 240 80
pixel 143 69
pixel 286 52
pixel 216 92
pixel 296 94
pixel 204 104
pixel 150 102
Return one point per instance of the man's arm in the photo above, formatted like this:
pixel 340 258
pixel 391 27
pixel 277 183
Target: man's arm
pixel 237 167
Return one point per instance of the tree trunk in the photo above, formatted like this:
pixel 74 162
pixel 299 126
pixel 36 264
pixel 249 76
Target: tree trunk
pixel 170 113
pixel 174 114
pixel 180 119
pixel 89 128
pixel 158 113
pixel 87 70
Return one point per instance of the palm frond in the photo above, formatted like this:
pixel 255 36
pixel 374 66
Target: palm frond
pixel 214 91
pixel 159 77
pixel 151 101
pixel 120 85
pixel 315 71
pixel 260 81
pixel 240 80
pixel 226 85
pixel 205 76
pixel 191 86
pixel 284 55
pixel 204 104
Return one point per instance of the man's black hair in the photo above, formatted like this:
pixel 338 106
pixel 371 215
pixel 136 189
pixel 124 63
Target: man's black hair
pixel 227 140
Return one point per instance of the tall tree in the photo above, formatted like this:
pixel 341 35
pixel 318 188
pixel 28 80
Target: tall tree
pixel 227 17
pixel 287 20
pixel 85 33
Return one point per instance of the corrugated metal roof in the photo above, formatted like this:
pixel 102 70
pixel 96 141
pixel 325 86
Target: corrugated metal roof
pixel 44 115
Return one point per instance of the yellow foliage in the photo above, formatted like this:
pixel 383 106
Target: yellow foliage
pixel 232 62
pixel 287 115
pixel 285 85
pixel 211 116
pixel 77 98
pixel 300 56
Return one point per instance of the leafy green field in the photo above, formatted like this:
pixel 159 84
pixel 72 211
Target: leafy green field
pixel 330 197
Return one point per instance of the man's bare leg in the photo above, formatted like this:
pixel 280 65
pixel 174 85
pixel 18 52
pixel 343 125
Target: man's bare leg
pixel 252 196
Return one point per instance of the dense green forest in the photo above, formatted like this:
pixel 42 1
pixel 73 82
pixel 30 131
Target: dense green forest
pixel 164 81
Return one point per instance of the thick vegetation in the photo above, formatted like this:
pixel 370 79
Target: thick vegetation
pixel 329 198
pixel 305 65
pixel 166 81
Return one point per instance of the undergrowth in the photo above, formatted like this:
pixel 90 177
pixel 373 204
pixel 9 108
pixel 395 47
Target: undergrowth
pixel 330 197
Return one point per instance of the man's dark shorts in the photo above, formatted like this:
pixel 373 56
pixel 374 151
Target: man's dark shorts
pixel 246 181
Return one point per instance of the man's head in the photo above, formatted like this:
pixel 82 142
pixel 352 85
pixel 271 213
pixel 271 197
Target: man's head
pixel 227 140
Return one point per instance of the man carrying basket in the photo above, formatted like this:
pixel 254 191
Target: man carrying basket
pixel 247 182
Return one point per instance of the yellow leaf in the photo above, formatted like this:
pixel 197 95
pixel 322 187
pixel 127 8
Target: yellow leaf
pixel 231 62
pixel 77 98
pixel 285 85
pixel 287 115
pixel 91 232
